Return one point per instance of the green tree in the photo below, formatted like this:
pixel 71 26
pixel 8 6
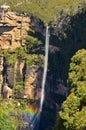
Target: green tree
pixel 18 91
pixel 73 113
pixel 20 52
pixel 10 59
pixel 31 42
pixel 32 59
pixel 10 113
pixel 77 71
pixel 7 120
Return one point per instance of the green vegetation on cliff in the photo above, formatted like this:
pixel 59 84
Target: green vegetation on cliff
pixel 12 109
pixel 73 113
pixel 10 114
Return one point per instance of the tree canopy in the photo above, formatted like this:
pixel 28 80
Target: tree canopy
pixel 49 11
pixel 10 114
pixel 73 113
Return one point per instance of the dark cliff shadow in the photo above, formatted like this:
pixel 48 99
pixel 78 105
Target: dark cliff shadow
pixel 59 65
pixel 75 40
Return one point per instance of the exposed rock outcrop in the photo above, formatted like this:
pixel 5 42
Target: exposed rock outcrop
pixel 27 80
pixel 13 29
pixel 30 86
pixel 10 75
pixel 13 32
pixel 19 66
pixel 7 92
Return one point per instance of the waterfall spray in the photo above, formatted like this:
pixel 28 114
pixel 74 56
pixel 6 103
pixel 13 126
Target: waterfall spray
pixel 45 67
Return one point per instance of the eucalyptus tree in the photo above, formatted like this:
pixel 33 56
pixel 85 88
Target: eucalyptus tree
pixel 73 113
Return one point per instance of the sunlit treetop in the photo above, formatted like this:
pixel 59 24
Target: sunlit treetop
pixel 46 10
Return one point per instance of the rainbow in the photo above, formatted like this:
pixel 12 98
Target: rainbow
pixel 32 115
pixel 32 110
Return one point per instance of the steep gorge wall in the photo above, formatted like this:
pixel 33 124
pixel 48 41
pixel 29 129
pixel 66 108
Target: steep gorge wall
pixel 16 79
pixel 31 87
pixel 19 75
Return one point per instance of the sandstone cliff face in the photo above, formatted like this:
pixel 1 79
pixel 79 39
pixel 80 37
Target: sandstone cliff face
pixel 30 87
pixel 13 30
pixel 10 75
pixel 19 66
pixel 7 92
pixel 17 78
pixel 22 76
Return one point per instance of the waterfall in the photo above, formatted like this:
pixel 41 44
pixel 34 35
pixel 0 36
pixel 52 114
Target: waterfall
pixel 45 68
pixel 35 122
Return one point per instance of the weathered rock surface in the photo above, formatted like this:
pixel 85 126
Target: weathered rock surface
pixel 30 86
pixel 10 75
pixel 13 30
pixel 28 78
pixel 7 92
pixel 19 66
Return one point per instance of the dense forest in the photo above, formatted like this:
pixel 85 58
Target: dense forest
pixel 62 109
pixel 47 11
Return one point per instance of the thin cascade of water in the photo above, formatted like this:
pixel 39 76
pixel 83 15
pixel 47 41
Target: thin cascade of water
pixel 45 68
pixel 35 122
pixel 36 119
